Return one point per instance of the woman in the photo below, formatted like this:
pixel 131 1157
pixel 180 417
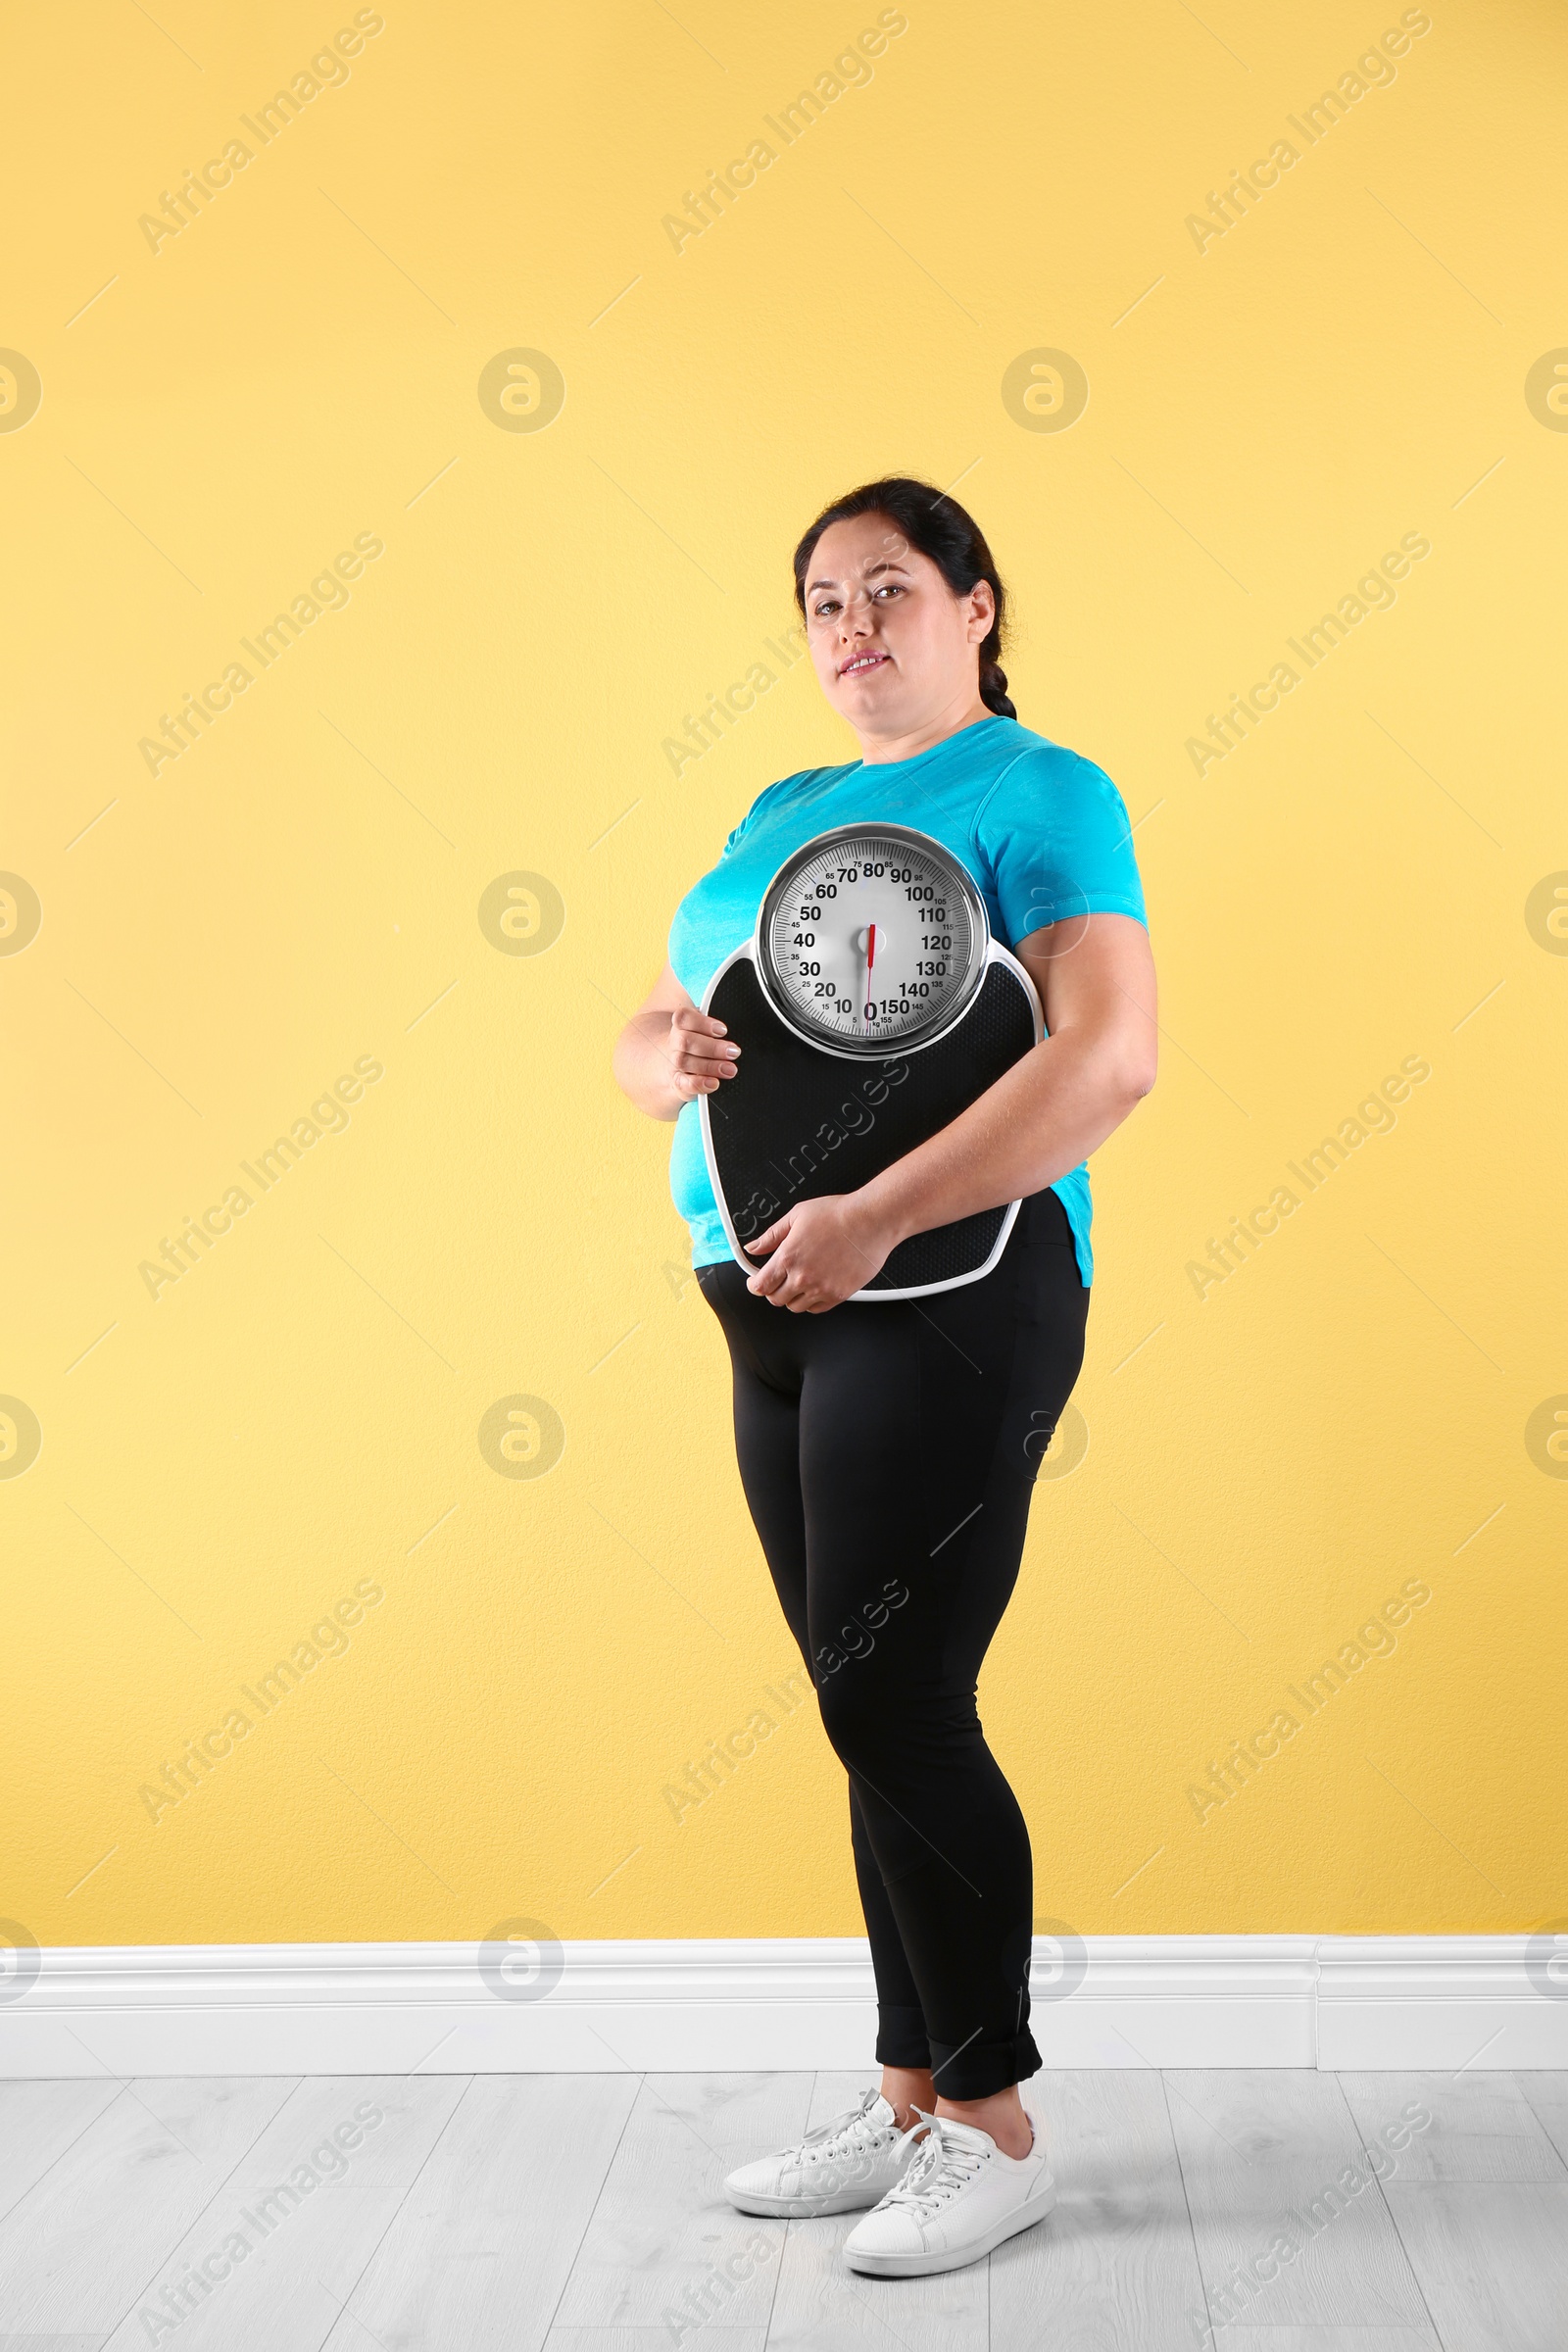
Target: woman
pixel 888 1449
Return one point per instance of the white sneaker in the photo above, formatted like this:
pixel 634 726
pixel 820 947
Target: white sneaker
pixel 959 2197
pixel 842 2167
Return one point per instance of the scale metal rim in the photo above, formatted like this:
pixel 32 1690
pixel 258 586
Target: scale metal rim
pixel 874 1048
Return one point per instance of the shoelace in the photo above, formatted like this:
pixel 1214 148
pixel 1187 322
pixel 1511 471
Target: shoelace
pixel 821 2143
pixel 939 2170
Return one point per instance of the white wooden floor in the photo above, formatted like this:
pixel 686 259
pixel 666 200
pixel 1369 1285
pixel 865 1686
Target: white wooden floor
pixel 585 2214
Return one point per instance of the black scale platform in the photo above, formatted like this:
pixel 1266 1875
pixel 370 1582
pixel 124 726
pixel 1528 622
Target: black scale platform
pixel 795 1122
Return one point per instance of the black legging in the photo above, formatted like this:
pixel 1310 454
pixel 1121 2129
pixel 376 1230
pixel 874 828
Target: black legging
pixel 888 1450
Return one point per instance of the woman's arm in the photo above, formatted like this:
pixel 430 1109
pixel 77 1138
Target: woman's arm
pixel 1096 978
pixel 669 1053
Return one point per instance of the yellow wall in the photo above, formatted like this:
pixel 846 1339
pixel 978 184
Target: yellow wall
pixel 1365 879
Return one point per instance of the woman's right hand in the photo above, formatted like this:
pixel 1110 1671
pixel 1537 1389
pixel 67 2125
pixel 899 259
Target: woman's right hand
pixel 700 1053
pixel 669 1053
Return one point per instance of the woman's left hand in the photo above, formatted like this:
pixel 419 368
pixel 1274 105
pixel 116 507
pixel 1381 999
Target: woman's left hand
pixel 818 1254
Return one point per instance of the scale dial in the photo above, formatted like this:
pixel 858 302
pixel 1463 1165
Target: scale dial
pixel 871 940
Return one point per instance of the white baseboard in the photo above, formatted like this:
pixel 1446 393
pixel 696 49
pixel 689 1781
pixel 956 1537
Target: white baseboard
pixel 1450 2002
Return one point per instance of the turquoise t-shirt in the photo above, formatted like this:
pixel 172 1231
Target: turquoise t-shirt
pixel 1043 831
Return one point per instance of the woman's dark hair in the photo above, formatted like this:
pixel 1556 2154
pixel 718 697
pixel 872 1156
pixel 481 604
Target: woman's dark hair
pixel 944 532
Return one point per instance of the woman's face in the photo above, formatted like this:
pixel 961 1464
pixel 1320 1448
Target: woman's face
pixel 894 648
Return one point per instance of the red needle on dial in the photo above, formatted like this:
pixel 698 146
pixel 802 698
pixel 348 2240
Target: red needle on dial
pixel 870 961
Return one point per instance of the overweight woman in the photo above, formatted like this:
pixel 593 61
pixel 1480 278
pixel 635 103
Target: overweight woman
pixel 888 1447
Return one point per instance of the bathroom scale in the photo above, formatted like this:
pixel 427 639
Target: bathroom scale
pixel 873 1006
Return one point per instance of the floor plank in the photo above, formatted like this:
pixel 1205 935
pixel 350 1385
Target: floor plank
pixel 74 2250
pixel 1546 2094
pixel 825 2306
pixel 305 2247
pixel 1114 2268
pixel 1323 2340
pixel 38 2121
pixel 649 2339
pixel 1478 2126
pixel 665 2245
pixel 1492 2258
pixel 1290 2225
pixel 94 2342
pixel 485 2242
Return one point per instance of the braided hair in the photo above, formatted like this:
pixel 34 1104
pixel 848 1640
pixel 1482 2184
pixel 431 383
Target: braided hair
pixel 940 528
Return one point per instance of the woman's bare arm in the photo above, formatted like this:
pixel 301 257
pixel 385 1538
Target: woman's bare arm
pixel 1096 978
pixel 669 1053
